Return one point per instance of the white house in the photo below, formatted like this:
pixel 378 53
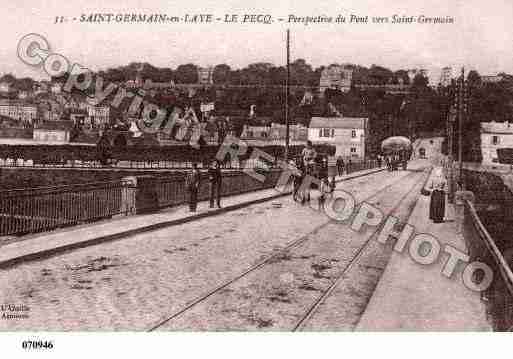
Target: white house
pixel 54 131
pixel 5 87
pixel 98 115
pixel 347 134
pixel 495 135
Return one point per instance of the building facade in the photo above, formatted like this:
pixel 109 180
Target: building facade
pixel 446 76
pixel 205 75
pixel 336 77
pixel 414 72
pixel 54 131
pixel 347 134
pixel 18 110
pixel 495 135
pixel 98 116
pixel 5 87
pixel 297 132
pixel 491 79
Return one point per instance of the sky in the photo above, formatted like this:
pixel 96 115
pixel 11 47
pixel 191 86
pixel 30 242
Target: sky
pixel 480 38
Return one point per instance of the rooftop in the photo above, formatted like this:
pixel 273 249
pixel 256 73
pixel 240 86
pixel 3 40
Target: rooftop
pixel 55 126
pixel 338 122
pixel 497 127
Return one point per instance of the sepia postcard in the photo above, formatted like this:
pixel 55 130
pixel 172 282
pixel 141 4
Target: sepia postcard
pixel 201 166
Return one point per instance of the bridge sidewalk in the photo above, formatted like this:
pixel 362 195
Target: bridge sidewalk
pixel 416 297
pixel 43 245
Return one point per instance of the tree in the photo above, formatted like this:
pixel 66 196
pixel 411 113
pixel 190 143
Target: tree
pixel 221 74
pixel 473 79
pixel 186 74
pixel 300 73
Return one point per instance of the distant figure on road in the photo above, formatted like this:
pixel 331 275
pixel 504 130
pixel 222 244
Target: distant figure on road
pixel 215 178
pixel 193 183
pixel 380 161
pixel 437 204
pixel 340 165
pixel 308 154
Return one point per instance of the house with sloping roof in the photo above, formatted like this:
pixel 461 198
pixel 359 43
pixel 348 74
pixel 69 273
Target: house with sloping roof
pixel 495 135
pixel 347 134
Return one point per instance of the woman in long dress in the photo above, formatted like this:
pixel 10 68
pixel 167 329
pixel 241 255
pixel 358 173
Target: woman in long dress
pixel 437 204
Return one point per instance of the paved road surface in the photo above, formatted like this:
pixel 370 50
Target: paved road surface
pixel 136 282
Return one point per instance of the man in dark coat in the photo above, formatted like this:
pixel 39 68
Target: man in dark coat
pixel 215 178
pixel 193 183
pixel 340 165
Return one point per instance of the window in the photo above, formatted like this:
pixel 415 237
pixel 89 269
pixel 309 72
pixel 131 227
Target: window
pixel 495 140
pixel 326 132
pixel 353 133
pixel 353 149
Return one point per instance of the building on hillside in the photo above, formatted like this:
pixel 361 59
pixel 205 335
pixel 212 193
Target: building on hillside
pixel 23 95
pixel 347 134
pixel 19 110
pixel 40 87
pixel 56 88
pixel 495 135
pixel 151 85
pixel 98 116
pixel 53 131
pixel 79 117
pixel 336 77
pixel 491 78
pixel 414 72
pixel 205 75
pixel 297 132
pixel 446 76
pixel 393 89
pixel 255 132
pixel 5 87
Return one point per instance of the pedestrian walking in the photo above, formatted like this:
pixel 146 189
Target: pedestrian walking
pixel 340 165
pixel 309 154
pixel 437 204
pixel 215 177
pixel 380 161
pixel 193 183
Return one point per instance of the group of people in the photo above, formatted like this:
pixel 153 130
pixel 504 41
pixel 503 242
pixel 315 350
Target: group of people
pixel 307 165
pixel 393 161
pixel 193 182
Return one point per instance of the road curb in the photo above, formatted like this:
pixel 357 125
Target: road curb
pixel 46 253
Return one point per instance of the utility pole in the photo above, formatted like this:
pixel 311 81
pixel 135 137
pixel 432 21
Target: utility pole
pixel 287 130
pixel 461 113
pixel 451 115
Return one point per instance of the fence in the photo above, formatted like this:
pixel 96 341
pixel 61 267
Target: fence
pixel 41 209
pixel 481 247
pixel 35 210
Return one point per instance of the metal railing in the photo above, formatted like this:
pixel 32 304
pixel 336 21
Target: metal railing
pixel 34 210
pixel 24 211
pixel 482 247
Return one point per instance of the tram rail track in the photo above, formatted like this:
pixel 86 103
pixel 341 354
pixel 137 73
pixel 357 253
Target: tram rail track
pixel 352 262
pixel 269 259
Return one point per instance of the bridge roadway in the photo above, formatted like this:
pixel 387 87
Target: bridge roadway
pixel 267 266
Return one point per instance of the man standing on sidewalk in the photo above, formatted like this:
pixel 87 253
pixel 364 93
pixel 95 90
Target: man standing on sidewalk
pixel 215 177
pixel 193 183
pixel 340 165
